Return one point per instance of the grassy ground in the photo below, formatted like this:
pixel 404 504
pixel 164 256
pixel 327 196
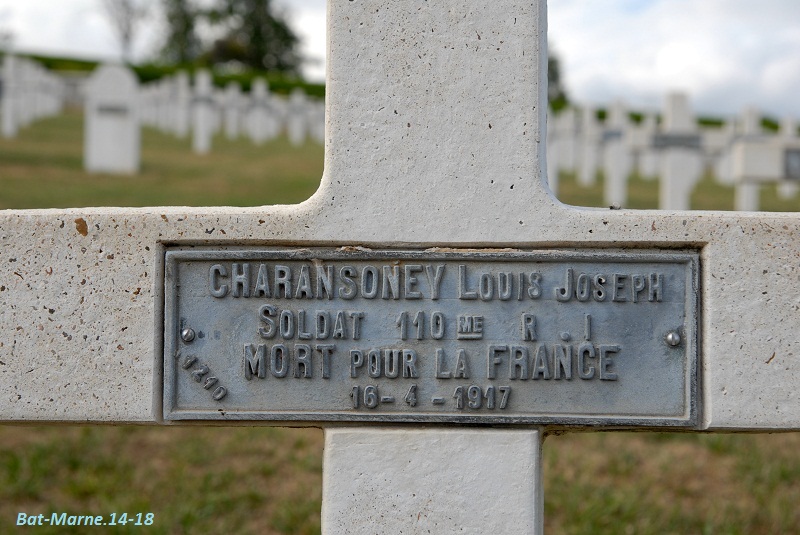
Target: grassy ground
pixel 643 194
pixel 44 168
pixel 268 480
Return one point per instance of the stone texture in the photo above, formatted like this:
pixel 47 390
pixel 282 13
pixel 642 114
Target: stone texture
pixel 431 481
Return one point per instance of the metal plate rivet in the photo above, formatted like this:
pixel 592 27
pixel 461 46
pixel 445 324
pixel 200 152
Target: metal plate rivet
pixel 674 339
pixel 187 335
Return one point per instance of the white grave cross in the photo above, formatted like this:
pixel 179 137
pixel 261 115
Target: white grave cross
pixel 616 156
pixel 681 164
pixel 436 117
pixel 759 159
pixel 203 110
pixel 8 98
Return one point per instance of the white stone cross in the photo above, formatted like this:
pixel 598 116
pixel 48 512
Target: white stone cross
pixel 232 111
pixel 591 136
pixel 180 104
pixel 641 140
pixel 616 156
pixel 297 117
pixel 29 92
pixel 758 159
pixel 262 121
pixel 202 112
pixel 789 186
pixel 8 98
pixel 436 123
pixel 681 160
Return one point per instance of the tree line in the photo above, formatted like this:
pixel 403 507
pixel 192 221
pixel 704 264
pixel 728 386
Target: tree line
pixel 251 34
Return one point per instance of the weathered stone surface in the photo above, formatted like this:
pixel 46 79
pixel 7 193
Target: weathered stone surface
pixel 431 481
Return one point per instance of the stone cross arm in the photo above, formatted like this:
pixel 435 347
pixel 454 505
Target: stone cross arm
pixel 82 295
pixel 436 119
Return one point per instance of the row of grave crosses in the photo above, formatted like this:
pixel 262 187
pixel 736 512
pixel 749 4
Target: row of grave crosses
pixel 28 92
pixel 677 152
pixel 116 107
pixel 173 105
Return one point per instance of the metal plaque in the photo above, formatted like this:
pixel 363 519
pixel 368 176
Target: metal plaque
pixel 683 141
pixel 442 336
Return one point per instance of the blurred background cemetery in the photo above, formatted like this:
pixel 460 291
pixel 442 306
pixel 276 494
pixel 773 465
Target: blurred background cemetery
pixel 221 102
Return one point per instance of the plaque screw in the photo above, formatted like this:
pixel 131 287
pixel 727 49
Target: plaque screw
pixel 674 339
pixel 187 335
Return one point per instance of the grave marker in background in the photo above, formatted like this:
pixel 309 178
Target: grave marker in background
pixel 8 97
pixel 748 192
pixel 260 120
pixel 758 159
pixel 716 149
pixel 232 110
pixel 789 186
pixel 591 138
pixel 297 117
pixel 316 120
pixel 112 137
pixel 681 159
pixel 202 114
pixel 182 104
pixel 428 163
pixel 29 93
pixel 616 158
pixel 641 142
pixel 562 145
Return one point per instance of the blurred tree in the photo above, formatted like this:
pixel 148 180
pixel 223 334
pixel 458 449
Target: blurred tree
pixel 182 45
pixel 255 35
pixel 125 16
pixel 556 93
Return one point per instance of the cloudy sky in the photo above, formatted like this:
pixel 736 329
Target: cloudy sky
pixel 726 53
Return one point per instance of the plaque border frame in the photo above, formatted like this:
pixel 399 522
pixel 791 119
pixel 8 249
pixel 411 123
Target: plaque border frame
pixel 175 254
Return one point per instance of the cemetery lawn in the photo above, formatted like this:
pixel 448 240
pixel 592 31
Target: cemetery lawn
pixel 643 195
pixel 43 167
pixel 268 480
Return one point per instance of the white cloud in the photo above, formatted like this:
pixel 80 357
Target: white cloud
pixel 726 53
pixel 74 27
pixel 308 18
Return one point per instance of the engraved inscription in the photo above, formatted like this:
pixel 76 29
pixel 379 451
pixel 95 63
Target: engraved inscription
pixel 351 335
pixel 200 374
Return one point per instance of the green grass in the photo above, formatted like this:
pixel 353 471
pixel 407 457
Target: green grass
pixel 50 156
pixel 195 480
pixel 268 480
pixel 643 195
pixel 610 483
